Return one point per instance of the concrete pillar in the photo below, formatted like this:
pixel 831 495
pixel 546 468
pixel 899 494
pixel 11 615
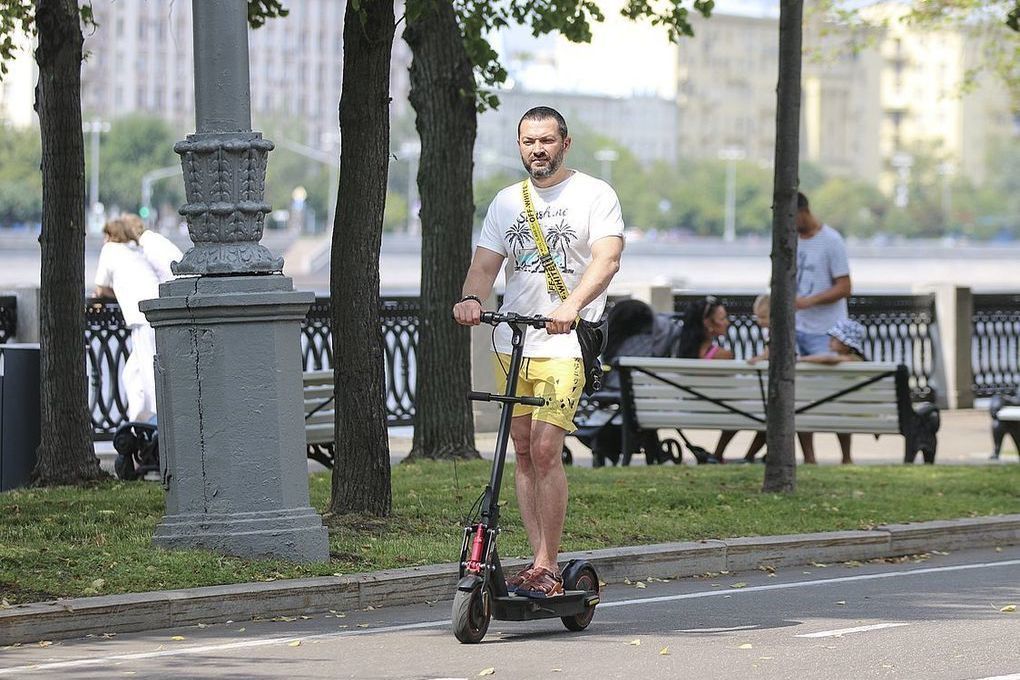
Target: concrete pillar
pixel 659 298
pixel 483 372
pixel 28 313
pixel 954 372
pixel 228 367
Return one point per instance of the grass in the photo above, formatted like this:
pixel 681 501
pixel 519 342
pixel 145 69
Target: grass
pixel 68 542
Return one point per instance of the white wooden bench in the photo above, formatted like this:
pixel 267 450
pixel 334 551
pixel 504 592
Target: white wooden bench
pixel 319 415
pixel 859 397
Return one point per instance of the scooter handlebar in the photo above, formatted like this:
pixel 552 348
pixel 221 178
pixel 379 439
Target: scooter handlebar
pixel 496 318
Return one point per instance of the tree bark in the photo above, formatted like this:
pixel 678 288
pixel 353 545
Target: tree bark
pixel 361 474
pixel 781 466
pixel 66 454
pixel 442 87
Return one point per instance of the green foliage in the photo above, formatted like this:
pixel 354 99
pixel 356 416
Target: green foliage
pixel 20 179
pixel 259 11
pixel 136 145
pixel 18 16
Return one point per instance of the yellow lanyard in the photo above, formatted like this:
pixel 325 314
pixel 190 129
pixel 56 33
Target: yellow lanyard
pixel 553 278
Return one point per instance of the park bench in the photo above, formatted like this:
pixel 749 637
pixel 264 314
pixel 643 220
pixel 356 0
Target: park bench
pixel 319 414
pixel 859 397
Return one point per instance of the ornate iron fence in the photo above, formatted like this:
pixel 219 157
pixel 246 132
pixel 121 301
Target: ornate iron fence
pixel 995 343
pixel 107 349
pixel 900 328
pixel 8 317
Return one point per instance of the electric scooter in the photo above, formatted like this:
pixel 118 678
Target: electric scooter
pixel 481 592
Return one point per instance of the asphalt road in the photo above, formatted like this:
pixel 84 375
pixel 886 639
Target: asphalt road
pixel 939 616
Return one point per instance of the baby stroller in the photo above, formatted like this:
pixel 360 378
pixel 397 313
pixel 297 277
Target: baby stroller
pixel 634 330
pixel 137 446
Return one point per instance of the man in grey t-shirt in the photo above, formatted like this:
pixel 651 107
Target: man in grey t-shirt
pixel 823 285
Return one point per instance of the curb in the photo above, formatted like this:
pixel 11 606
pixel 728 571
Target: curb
pixel 214 604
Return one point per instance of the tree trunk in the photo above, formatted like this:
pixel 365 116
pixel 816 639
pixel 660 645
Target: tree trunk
pixel 66 454
pixel 781 467
pixel 442 87
pixel 361 474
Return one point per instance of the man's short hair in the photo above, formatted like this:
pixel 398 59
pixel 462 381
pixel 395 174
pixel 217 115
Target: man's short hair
pixel 544 113
pixel 802 202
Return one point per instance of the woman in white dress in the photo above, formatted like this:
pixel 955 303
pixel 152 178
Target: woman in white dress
pixel 123 273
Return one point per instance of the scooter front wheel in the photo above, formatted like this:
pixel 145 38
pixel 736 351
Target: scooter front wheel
pixel 471 614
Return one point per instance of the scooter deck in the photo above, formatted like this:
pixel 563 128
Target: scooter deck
pixel 521 608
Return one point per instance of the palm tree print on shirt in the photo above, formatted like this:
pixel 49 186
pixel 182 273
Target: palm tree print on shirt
pixel 525 252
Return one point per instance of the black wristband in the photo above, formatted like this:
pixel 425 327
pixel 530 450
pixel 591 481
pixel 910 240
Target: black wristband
pixel 471 297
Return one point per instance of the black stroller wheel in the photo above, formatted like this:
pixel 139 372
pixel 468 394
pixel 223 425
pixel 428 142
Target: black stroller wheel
pixel 566 456
pixel 124 466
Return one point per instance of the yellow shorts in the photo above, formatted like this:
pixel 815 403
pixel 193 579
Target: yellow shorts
pixel 559 380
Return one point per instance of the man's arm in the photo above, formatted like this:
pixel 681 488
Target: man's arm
pixel 481 276
pixel 605 262
pixel 840 289
pixel 104 292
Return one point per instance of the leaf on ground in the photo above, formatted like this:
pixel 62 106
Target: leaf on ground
pixel 362 625
pixel 635 643
pixel 241 630
pixel 4 604
pixel 627 581
pixel 639 584
pixel 1008 609
pixel 283 619
pixel 738 585
pixel 45 643
pixel 295 643
pixel 841 602
pixel 746 645
pixel 487 671
pixel 99 583
pixel 201 625
pixel 177 638
pixel 602 584
pixel 819 565
pixel 664 651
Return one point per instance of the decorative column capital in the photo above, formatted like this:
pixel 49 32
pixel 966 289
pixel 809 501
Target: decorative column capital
pixel 224 181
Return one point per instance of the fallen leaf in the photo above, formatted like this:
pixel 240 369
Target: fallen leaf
pixel 841 602
pixel 295 643
pixel 487 671
pixel 4 604
pixel 241 630
pixel 635 643
pixel 738 585
pixel 305 618
pixel 746 645
pixel 362 625
pixel 765 658
pixel 1008 609
pixel 106 512
pixel 602 584
pixel 664 651
pixel 177 638
pixel 283 619
pixel 998 548
pixel 99 583
pixel 45 643
pixel 201 625
pixel 819 565
pixel 627 581
pixel 639 584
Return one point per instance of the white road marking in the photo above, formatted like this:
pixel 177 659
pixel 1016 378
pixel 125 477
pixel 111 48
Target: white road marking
pixel 1013 676
pixel 716 630
pixel 95 661
pixel 846 631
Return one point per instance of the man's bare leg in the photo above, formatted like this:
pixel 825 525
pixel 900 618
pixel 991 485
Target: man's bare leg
pixel 844 446
pixel 541 489
pixel 520 432
pixel 807 446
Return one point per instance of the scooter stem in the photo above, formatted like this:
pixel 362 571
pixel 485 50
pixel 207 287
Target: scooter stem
pixel 490 504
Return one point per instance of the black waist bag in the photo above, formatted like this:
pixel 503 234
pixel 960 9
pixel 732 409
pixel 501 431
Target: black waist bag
pixel 592 336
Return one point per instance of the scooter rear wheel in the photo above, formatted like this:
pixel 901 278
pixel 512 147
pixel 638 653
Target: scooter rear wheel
pixel 470 615
pixel 587 581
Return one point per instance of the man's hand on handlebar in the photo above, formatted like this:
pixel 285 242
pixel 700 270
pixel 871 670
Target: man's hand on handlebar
pixel 468 312
pixel 562 319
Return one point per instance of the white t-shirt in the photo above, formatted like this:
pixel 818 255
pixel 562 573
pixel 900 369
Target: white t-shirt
pixel 123 268
pixel 573 215
pixel 820 260
pixel 159 252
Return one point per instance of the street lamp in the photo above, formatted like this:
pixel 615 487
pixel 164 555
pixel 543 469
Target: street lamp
pixel 330 158
pixel 148 179
pixel 95 127
pixel 902 161
pixel 607 157
pixel 411 150
pixel 731 154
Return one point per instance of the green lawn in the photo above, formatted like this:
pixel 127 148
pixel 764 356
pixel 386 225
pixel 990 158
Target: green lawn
pixel 70 542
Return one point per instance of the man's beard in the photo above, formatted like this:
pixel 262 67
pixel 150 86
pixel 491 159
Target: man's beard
pixel 550 169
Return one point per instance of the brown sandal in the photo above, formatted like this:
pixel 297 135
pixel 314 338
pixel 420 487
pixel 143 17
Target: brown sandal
pixel 541 583
pixel 518 579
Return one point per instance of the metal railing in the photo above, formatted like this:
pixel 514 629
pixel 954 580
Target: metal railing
pixel 901 328
pixel 8 317
pixel 995 343
pixel 107 349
